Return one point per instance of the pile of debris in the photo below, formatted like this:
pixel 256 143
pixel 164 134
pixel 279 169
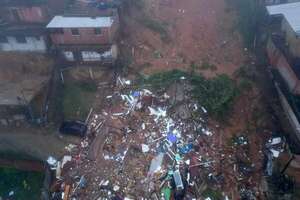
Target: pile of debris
pixel 146 145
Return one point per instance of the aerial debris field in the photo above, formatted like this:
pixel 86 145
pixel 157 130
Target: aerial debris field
pixel 146 142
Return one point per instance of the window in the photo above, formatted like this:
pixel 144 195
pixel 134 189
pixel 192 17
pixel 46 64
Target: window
pixel 3 39
pixel 58 31
pixel 98 31
pixel 21 39
pixel 16 15
pixel 75 31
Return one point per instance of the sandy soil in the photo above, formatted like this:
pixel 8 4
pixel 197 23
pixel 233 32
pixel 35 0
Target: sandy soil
pixel 200 31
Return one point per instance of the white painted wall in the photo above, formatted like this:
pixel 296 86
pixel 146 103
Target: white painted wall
pixel 68 55
pixel 32 44
pixel 94 56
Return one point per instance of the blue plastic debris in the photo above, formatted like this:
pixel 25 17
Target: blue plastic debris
pixel 136 94
pixel 172 138
pixel 186 148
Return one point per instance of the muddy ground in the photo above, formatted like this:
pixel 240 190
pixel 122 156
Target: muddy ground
pixel 166 34
pixel 197 36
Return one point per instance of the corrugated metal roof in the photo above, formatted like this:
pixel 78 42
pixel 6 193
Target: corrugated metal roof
pixel 291 11
pixel 80 22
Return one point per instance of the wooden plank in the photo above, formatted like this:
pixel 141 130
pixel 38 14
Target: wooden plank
pixel 67 192
pixel 97 145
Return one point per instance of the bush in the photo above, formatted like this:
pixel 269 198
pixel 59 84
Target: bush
pixel 24 184
pixel 216 94
pixel 212 194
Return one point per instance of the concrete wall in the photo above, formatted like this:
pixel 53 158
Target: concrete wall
pixel 292 119
pixel 292 39
pixel 32 44
pixel 278 60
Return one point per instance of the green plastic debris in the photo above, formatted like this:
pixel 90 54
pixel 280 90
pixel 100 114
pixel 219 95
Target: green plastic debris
pixel 167 193
pixel 178 158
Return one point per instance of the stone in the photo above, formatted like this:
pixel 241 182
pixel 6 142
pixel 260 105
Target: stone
pixel 183 111
pixel 4 122
pixel 19 117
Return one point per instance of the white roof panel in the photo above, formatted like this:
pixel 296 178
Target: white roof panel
pixel 291 12
pixel 80 22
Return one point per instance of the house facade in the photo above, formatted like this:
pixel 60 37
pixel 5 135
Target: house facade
pixel 84 38
pixel 283 47
pixel 287 68
pixel 22 25
pixel 273 2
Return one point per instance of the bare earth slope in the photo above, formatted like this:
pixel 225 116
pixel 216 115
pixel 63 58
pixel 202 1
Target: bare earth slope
pixel 198 32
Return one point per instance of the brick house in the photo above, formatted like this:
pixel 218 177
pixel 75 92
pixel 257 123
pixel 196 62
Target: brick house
pixel 22 25
pixel 283 47
pixel 84 38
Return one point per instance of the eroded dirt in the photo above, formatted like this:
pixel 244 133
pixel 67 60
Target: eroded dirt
pixel 199 33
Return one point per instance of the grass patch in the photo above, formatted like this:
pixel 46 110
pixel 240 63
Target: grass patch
pixel 77 99
pixel 216 94
pixel 245 84
pixel 206 64
pixel 250 16
pixel 24 184
pixel 213 194
pixel 247 75
pixel 156 26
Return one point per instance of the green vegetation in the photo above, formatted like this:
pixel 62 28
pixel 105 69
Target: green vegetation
pixel 77 99
pixel 139 4
pixel 25 185
pixel 246 75
pixel 162 80
pixel 213 194
pixel 216 94
pixel 250 15
pixel 156 26
pixel 206 64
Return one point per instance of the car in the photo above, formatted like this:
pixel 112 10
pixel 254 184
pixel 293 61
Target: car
pixel 77 128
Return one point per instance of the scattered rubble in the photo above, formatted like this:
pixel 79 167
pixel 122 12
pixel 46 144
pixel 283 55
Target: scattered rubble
pixel 139 147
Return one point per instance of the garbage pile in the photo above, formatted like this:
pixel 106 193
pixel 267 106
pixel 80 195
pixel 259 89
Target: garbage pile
pixel 150 145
